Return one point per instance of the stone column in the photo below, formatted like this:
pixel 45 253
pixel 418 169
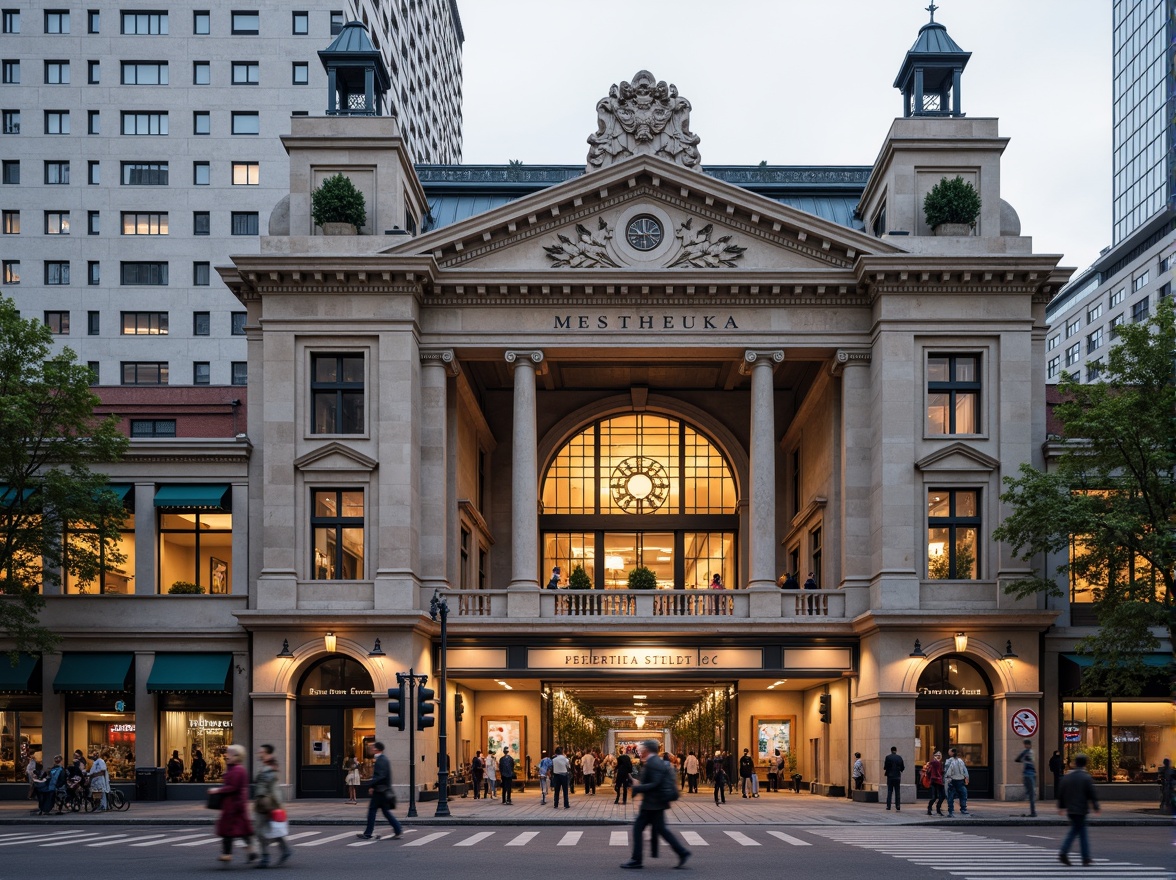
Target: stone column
pixel 146 735
pixel 436 368
pixel 762 477
pixel 525 472
pixel 855 466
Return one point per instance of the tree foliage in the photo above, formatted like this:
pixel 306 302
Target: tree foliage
pixel 336 200
pixel 951 201
pixel 1108 506
pixel 49 439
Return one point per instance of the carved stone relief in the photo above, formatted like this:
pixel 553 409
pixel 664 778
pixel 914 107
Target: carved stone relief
pixel 646 116
pixel 689 248
pixel 589 250
pixel 700 251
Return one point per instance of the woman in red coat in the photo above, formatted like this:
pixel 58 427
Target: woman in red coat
pixel 234 814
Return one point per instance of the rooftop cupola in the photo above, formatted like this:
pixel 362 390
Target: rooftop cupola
pixel 357 79
pixel 930 75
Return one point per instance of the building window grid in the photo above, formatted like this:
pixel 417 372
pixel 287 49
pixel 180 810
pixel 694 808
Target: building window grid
pixel 201 122
pixel 201 223
pixel 144 372
pixel 953 528
pixel 93 273
pixel 201 324
pixel 201 22
pixel 57 222
pixel 246 73
pixel 144 323
pixel 56 122
pixel 93 323
pixel 58 323
pixel 237 323
pixel 244 223
pixel 1094 341
pixel 57 21
pixel 144 73
pixel 11 21
pixel 153 428
pixel 1140 311
pixel 11 271
pixel 93 124
pixel 1073 354
pixel 144 173
pixel 11 120
pixel 149 123
pixel 146 273
pixel 10 171
pixel 57 73
pixel 144 223
pixel 337 393
pixel 11 220
pixel 56 173
pixel 93 21
pixel 337 534
pixel 246 174
pixel 201 73
pixel 953 393
pixel 11 72
pixel 144 23
pixel 239 373
pixel 1115 323
pixel 201 274
pixel 246 122
pixel 299 73
pixel 57 273
pixel 300 23
pixel 245 23
pixel 201 373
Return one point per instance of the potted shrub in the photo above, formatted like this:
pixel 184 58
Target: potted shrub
pixel 338 207
pixel 182 588
pixel 579 580
pixel 642 578
pixel 951 207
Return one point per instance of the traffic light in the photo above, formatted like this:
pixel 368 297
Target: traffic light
pixel 458 707
pixel 424 707
pixel 826 709
pixel 396 707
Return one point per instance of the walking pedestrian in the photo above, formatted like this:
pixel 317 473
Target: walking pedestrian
pixel 588 766
pixel 491 776
pixel 560 768
pixel 746 771
pixel 624 780
pixel 1029 775
pixel 936 794
pixel 1057 767
pixel 691 765
pixel 233 821
pixel 175 767
pixel 352 779
pixel 719 777
pixel 544 778
pixel 47 785
pixel 892 769
pixel 955 778
pixel 506 774
pixel 657 788
pixel 382 798
pixel 478 771
pixel 99 777
pixel 1167 777
pixel 1076 795
pixel 859 771
pixel 268 800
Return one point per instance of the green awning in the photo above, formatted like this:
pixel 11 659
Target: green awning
pixel 94 673
pixel 1159 661
pixel 202 496
pixel 19 678
pixel 118 490
pixel 190 672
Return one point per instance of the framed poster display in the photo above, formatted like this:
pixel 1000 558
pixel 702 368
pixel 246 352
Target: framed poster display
pixel 218 575
pixel 771 733
pixel 504 730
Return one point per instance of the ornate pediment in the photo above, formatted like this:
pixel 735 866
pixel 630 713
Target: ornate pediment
pixel 957 457
pixel 334 456
pixel 690 248
pixel 645 116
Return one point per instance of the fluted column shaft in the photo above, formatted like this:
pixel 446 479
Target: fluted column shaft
pixel 525 472
pixel 436 368
pixel 762 476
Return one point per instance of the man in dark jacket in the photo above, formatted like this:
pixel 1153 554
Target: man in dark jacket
pixel 746 771
pixel 380 789
pixel 892 769
pixel 656 787
pixel 478 771
pixel 1075 795
pixel 506 772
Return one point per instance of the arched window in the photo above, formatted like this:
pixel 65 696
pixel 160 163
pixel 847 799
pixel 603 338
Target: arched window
pixel 640 490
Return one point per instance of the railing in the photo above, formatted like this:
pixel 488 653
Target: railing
pixel 647 605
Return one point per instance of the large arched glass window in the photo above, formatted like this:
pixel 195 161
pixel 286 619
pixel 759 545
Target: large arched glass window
pixel 640 489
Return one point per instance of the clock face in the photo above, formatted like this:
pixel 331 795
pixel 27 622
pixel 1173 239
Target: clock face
pixel 639 485
pixel 644 232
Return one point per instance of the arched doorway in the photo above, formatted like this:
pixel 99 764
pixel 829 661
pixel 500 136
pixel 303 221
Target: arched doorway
pixel 336 719
pixel 954 709
pixel 640 489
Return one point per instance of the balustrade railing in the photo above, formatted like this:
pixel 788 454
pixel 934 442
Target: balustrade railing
pixel 626 604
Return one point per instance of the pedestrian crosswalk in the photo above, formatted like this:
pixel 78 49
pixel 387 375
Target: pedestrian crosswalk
pixel 976 857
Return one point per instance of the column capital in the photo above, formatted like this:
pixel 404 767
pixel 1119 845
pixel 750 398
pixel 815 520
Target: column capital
pixel 850 357
pixel 534 355
pixel 441 357
pixel 751 359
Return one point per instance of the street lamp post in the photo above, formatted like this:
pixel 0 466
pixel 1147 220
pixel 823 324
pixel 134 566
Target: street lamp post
pixel 439 606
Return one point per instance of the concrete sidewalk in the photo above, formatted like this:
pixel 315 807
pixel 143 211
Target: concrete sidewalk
pixel 771 808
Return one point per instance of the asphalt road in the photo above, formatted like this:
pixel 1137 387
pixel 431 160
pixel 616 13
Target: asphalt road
pixel 52 849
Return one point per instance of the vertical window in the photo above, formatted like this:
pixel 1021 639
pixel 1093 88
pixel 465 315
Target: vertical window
pixel 201 273
pixel 240 373
pixel 337 393
pixel 1118 296
pixel 201 73
pixel 201 174
pixel 57 222
pixel 246 22
pixel 1073 354
pixel 58 323
pixel 1094 341
pixel 11 222
pixel 93 273
pixel 953 527
pixel 1054 368
pixel 201 223
pixel 1094 313
pixel 301 24
pixel 246 122
pixel 464 569
pixel 201 324
pixel 93 21
pixel 93 222
pixel 93 72
pixel 336 21
pixel 1115 324
pixel 237 323
pixel 201 23
pixel 57 172
pixel 93 323
pixel 246 173
pixel 201 373
pixel 56 122
pixel 57 272
pixel 11 121
pixel 201 122
pixel 94 123
pixel 1139 282
pixel 144 372
pixel 337 526
pixel 10 171
pixel 11 72
pixel 56 21
pixel 953 394
pixel 300 73
pixel 11 271
pixel 93 175
pixel 196 546
pixel 246 73
pixel 56 73
pixel 815 545
pixel 1073 327
pixel 1139 311
pixel 244 223
pixel 11 21
pixel 95 371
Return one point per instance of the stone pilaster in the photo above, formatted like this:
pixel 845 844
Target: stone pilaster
pixel 760 365
pixel 525 471
pixel 437 366
pixel 854 464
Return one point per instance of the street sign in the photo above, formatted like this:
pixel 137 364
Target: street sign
pixel 1071 734
pixel 1024 722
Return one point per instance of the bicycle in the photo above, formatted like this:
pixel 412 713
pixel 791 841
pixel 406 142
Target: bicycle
pixel 115 800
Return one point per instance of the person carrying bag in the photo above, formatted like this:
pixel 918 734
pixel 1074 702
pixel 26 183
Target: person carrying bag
pixel 267 806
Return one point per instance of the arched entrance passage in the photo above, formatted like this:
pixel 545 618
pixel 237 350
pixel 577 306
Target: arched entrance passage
pixel 640 489
pixel 336 719
pixel 954 709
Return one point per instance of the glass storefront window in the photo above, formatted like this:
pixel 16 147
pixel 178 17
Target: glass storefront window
pixel 20 742
pixel 1125 741
pixel 967 730
pixel 189 732
pixel 114 577
pixel 196 547
pixel 625 551
pixel 112 733
pixel 567 550
pixel 1084 729
pixel 707 554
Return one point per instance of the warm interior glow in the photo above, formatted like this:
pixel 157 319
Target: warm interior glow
pixel 329 642
pixel 961 642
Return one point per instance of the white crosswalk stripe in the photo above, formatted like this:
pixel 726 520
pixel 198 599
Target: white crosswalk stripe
pixel 474 838
pixel 974 857
pixel 571 838
pixel 618 838
pixel 788 838
pixel 36 837
pixel 115 839
pixel 694 838
pixel 523 839
pixel 428 838
pixel 201 841
pixel 323 840
pixel 171 840
pixel 742 839
pixel 82 837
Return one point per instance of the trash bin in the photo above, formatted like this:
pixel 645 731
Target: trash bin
pixel 151 784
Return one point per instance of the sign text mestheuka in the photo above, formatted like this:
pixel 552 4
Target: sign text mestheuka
pixel 645 322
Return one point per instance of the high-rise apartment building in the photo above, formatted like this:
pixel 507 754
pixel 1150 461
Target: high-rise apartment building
pixel 1144 93
pixel 140 146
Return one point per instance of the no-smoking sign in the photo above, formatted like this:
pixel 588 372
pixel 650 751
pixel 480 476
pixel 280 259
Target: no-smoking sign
pixel 1024 722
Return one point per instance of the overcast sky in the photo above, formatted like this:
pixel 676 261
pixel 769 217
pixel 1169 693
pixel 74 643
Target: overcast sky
pixel 807 82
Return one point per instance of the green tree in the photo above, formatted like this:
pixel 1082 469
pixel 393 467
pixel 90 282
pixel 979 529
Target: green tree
pixel 49 438
pixel 1109 505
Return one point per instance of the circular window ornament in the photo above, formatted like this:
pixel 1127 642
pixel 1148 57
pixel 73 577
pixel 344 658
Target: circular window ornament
pixel 639 485
pixel 644 232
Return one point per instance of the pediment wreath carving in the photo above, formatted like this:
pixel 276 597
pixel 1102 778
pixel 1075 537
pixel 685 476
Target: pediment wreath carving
pixel 697 249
